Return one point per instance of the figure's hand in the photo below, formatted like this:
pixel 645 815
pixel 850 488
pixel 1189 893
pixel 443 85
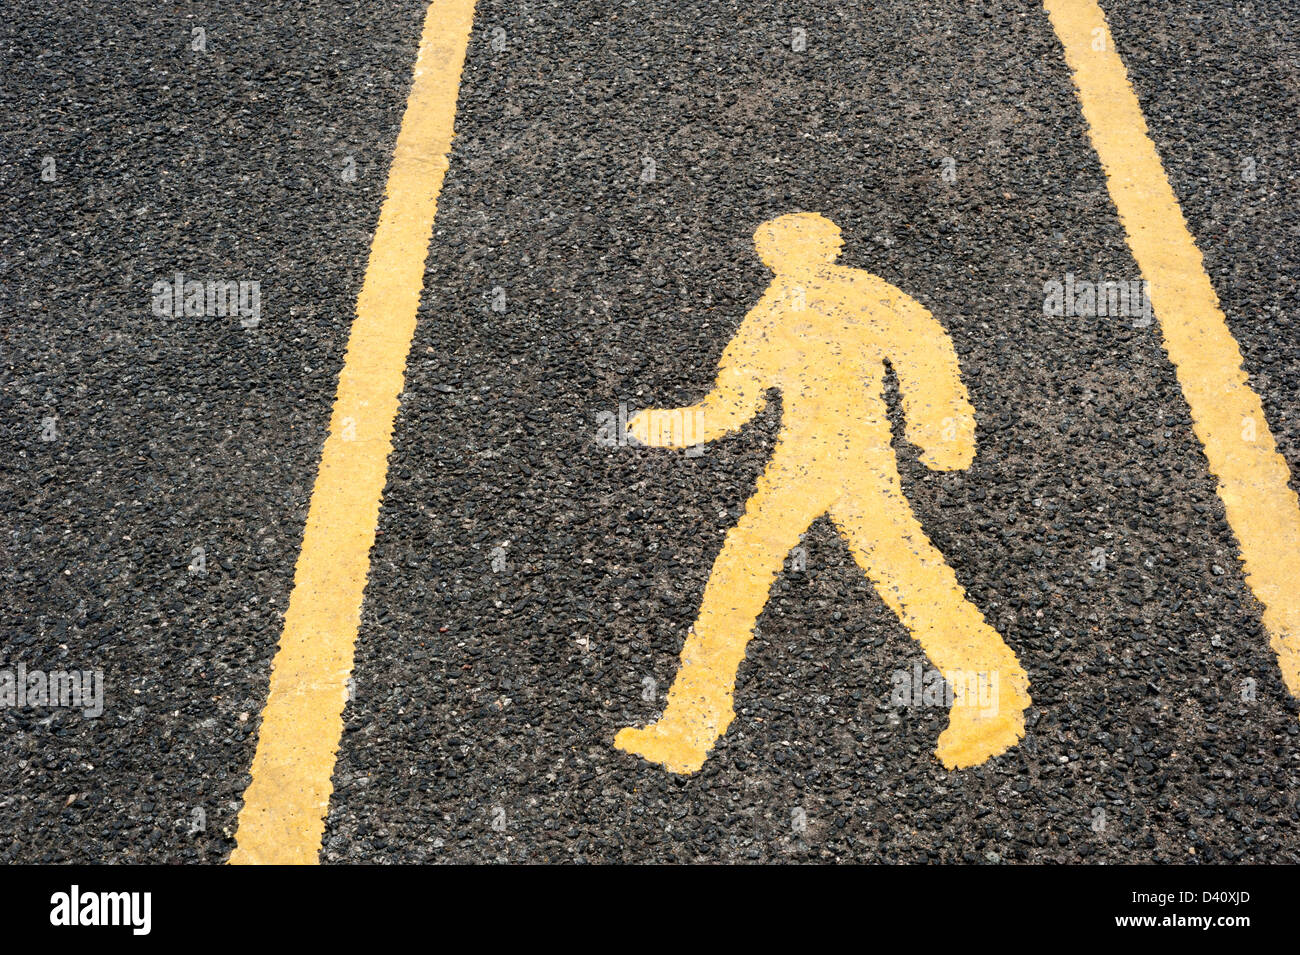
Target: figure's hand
pixel 638 428
pixel 667 427
pixel 947 445
pixel 949 458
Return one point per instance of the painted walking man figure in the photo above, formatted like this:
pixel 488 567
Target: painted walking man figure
pixel 821 334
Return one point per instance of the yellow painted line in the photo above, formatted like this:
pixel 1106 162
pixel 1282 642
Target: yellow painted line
pixel 1226 414
pixel 286 803
pixel 821 334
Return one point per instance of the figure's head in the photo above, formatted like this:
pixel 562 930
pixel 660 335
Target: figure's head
pixel 796 242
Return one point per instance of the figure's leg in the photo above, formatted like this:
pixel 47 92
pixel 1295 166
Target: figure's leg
pixel 699 706
pixel 990 688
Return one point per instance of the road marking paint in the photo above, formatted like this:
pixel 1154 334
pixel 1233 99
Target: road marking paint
pixel 285 805
pixel 821 334
pixel 1227 415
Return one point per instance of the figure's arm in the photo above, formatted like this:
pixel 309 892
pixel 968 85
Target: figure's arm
pixel 737 395
pixel 937 409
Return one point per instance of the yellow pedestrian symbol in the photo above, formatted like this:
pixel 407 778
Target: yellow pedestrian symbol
pixel 821 334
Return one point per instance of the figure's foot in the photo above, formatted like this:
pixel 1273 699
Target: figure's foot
pixel 979 729
pixel 680 746
pixel 971 739
pixel 675 752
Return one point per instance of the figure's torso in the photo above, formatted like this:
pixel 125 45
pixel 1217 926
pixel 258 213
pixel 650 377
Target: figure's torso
pixel 827 355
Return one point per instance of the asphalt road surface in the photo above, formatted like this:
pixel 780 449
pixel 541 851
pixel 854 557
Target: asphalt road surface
pixel 531 582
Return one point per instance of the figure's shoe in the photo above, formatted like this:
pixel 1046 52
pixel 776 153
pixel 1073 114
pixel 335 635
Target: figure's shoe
pixel 977 732
pixel 679 745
